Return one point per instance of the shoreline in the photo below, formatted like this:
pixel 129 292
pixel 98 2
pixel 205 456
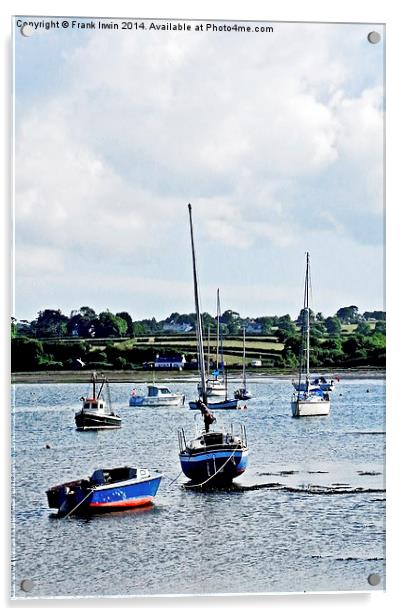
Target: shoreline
pixel 142 376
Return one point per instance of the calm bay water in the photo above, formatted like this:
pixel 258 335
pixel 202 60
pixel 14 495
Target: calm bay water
pixel 311 516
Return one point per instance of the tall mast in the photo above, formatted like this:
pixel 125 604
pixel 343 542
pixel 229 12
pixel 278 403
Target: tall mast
pixel 200 345
pixel 208 347
pixel 218 317
pixel 307 309
pixel 244 357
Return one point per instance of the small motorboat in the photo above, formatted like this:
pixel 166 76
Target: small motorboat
pixel 157 396
pixel 96 412
pixel 106 490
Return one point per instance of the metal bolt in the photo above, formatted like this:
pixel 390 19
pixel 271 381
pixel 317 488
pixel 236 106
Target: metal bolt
pixel 374 579
pixel 27 585
pixel 27 30
pixel 374 37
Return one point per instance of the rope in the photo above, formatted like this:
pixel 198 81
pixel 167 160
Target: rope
pixel 199 485
pixel 80 503
pixel 175 479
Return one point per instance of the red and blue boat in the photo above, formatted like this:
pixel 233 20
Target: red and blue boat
pixel 106 490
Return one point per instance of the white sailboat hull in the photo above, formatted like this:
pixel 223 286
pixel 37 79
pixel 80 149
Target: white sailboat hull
pixel 310 408
pixel 214 389
pixel 172 400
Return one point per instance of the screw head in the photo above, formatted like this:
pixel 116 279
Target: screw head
pixel 27 30
pixel 374 579
pixel 27 585
pixel 374 37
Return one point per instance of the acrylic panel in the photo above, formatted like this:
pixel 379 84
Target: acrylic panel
pixel 198 391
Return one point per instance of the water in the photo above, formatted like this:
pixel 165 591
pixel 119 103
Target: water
pixel 310 516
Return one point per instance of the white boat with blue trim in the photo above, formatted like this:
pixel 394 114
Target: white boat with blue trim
pixel 308 400
pixel 157 395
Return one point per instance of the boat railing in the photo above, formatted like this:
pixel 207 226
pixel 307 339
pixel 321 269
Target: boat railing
pixel 241 431
pixel 182 439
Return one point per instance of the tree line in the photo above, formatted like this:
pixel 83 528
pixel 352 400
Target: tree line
pixel 86 323
pixel 40 346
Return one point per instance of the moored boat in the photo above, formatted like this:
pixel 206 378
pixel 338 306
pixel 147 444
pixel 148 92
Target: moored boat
pixel 106 490
pixel 308 400
pixel 243 393
pixel 96 412
pixel 215 382
pixel 213 456
pixel 319 382
pixel 157 395
pixel 219 404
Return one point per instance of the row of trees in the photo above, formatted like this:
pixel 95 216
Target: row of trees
pixel 85 323
pixel 359 349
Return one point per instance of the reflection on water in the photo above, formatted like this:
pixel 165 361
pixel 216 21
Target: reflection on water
pixel 311 501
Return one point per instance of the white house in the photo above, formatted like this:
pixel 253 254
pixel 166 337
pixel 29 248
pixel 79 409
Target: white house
pixel 170 362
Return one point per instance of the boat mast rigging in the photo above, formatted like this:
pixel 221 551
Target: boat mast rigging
pixel 201 360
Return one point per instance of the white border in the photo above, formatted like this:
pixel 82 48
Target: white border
pixel 286 10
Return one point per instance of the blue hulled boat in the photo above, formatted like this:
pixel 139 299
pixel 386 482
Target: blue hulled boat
pixel 212 456
pixel 220 404
pixel 106 490
pixel 215 457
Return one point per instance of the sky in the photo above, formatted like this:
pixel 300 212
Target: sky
pixel 275 138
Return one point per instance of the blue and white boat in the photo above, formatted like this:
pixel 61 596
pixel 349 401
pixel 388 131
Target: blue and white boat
pixel 220 404
pixel 213 456
pixel 112 489
pixel 243 393
pixel 157 395
pixel 215 382
pixel 309 400
pixel 319 382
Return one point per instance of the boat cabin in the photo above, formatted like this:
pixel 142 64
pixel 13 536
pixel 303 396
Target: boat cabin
pixel 102 476
pixel 154 390
pixel 93 405
pixel 212 439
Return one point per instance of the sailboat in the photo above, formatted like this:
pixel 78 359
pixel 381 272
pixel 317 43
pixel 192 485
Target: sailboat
pixel 96 413
pixel 215 383
pixel 214 456
pixel 226 403
pixel 308 400
pixel 243 393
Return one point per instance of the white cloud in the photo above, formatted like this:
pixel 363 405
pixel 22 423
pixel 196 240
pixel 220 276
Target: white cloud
pixel 263 135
